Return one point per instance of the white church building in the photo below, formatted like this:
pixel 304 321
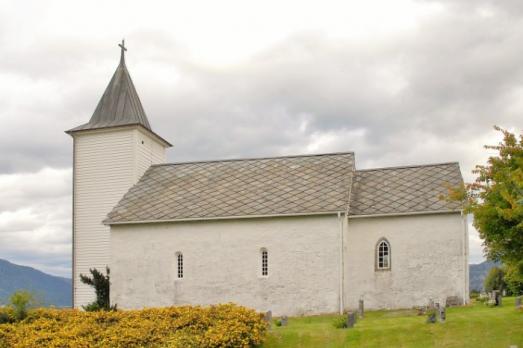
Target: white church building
pixel 301 234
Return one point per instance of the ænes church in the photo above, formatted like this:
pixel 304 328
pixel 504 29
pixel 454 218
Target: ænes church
pixel 302 234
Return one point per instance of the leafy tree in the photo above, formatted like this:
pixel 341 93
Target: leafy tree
pixel 101 285
pixel 20 301
pixel 494 280
pixel 496 200
pixel 514 278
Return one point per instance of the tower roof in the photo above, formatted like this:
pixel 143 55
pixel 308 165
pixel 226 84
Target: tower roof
pixel 120 104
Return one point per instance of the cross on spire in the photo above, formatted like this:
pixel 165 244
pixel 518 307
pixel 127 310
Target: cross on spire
pixel 123 49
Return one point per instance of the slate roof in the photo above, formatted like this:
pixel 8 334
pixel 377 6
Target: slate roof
pixel 311 184
pixel 404 189
pixel 120 104
pixel 248 187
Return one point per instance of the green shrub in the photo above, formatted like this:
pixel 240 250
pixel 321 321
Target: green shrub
pixel 482 298
pixel 95 307
pixel 6 316
pixel 277 322
pixel 474 294
pixel 514 278
pixel 494 280
pixel 101 285
pixel 92 307
pixel 340 322
pixel 20 301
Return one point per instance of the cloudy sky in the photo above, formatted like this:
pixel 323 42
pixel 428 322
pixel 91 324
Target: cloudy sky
pixel 398 82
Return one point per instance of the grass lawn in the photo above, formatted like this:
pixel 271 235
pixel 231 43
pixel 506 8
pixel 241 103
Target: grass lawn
pixel 472 326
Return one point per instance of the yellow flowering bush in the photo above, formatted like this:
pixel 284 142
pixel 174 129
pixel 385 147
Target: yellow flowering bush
pixel 226 325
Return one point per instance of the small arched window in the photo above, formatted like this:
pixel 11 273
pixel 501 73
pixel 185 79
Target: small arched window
pixel 179 260
pixel 264 262
pixel 383 255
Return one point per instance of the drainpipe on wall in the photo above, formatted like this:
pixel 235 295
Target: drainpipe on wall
pixel 465 256
pixel 341 263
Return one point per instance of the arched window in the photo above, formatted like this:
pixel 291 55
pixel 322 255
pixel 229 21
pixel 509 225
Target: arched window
pixel 264 262
pixel 179 260
pixel 383 255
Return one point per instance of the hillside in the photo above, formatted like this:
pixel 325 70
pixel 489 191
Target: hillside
pixel 50 289
pixel 478 272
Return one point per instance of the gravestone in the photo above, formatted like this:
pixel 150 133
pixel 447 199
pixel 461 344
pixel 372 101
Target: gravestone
pixel 518 302
pixel 499 299
pixel 268 317
pixel 496 297
pixel 491 299
pixel 442 314
pixel 284 320
pixel 361 308
pixel 351 319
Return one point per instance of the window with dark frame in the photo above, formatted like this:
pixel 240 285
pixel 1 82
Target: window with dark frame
pixel 265 263
pixel 383 255
pixel 179 257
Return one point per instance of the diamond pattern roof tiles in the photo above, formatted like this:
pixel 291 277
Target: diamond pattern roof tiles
pixel 249 187
pixel 283 186
pixel 404 189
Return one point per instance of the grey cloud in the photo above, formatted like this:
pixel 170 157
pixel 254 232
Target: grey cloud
pixel 451 78
pixel 440 89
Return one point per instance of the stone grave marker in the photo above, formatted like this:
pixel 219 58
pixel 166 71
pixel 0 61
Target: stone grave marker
pixel 442 314
pixel 351 319
pixel 518 301
pixel 268 317
pixel 361 308
pixel 284 320
pixel 496 296
pixel 491 298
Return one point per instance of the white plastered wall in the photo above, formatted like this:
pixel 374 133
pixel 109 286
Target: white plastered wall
pixel 222 263
pixel 429 260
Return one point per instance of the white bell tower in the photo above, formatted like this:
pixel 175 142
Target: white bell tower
pixel 110 153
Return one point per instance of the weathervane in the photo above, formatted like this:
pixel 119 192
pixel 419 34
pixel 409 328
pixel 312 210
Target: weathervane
pixel 122 46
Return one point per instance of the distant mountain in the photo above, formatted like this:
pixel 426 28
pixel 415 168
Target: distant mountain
pixel 478 272
pixel 51 290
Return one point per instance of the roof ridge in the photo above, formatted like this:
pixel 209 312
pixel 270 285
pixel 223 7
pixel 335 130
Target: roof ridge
pixel 253 158
pixel 408 166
